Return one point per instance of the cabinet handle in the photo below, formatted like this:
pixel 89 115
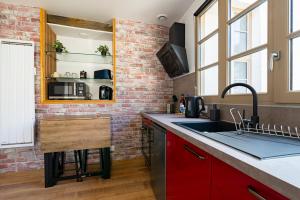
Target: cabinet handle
pixel 187 148
pixel 252 191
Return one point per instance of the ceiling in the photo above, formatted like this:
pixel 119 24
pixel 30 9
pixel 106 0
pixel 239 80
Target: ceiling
pixel 105 10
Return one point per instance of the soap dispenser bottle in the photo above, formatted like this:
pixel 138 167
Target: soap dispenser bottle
pixel 214 113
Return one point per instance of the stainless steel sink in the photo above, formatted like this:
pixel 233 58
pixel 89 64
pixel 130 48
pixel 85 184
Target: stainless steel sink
pixel 257 145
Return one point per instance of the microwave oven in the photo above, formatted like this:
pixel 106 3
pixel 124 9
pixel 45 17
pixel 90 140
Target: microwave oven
pixel 67 90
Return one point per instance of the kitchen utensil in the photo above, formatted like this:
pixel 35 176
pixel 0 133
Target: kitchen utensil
pixel 105 92
pixel 74 75
pixel 55 75
pixel 83 74
pixel 67 74
pixel 214 113
pixel 168 108
pixel 194 106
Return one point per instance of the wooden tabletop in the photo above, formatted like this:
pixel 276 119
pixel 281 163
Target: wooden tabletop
pixel 66 133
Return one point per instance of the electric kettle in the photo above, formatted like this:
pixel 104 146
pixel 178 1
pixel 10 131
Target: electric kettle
pixel 105 93
pixel 194 106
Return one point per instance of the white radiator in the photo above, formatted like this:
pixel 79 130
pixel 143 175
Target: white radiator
pixel 17 107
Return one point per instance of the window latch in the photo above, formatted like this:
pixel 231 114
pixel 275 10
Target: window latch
pixel 275 56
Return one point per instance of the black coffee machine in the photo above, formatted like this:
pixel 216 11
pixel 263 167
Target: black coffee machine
pixel 194 106
pixel 105 92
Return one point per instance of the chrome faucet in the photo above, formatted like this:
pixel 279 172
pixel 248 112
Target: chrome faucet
pixel 254 121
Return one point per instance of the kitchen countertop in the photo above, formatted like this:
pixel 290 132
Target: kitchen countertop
pixel 281 174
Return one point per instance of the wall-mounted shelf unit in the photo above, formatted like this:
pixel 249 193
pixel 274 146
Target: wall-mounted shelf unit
pixel 81 38
pixel 81 57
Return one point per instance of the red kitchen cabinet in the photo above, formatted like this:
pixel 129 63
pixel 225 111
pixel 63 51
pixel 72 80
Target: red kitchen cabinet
pixel 229 183
pixel 188 170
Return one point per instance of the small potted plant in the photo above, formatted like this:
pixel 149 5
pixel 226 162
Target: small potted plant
pixel 59 47
pixel 104 50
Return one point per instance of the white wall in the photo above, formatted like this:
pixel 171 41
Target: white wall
pixel 88 46
pixel 188 20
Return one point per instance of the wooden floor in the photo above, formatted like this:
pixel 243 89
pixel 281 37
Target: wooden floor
pixel 130 180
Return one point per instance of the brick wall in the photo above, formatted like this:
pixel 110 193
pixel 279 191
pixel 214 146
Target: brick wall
pixel 142 84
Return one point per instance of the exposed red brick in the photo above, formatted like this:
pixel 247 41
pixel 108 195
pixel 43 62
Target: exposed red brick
pixel 142 84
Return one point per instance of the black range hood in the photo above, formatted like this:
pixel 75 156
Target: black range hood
pixel 173 55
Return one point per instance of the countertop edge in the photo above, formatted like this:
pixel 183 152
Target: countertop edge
pixel 289 190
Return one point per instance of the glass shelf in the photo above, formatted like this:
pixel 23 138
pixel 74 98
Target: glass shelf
pixel 81 57
pixel 70 79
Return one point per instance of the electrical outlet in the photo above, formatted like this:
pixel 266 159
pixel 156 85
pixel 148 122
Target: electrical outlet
pixel 112 148
pixel 206 109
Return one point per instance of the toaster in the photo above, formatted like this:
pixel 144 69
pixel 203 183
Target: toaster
pixel 102 74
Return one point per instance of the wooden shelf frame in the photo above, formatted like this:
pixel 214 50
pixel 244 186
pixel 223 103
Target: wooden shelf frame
pixel 43 85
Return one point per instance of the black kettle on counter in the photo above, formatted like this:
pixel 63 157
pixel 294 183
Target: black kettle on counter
pixel 105 93
pixel 193 106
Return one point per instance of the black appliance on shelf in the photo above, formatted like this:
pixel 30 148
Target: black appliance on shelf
pixel 173 54
pixel 83 74
pixel 194 106
pixel 67 90
pixel 103 74
pixel 105 93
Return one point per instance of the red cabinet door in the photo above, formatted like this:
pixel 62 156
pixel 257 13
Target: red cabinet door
pixel 188 170
pixel 229 183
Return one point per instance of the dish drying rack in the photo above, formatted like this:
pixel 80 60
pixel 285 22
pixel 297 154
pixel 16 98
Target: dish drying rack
pixel 264 129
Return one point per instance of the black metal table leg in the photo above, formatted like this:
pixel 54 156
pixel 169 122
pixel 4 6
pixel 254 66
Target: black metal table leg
pixel 81 164
pixel 85 159
pixel 105 162
pixel 49 170
pixel 56 167
pixel 62 163
pixel 78 178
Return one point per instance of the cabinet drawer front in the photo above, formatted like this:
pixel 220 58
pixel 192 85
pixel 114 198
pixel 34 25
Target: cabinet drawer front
pixel 188 170
pixel 230 183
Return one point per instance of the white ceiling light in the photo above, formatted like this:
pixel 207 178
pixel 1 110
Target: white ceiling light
pixel 162 18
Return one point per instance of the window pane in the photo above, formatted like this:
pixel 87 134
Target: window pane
pixel 209 81
pixel 251 69
pixel 295 64
pixel 239 75
pixel 209 21
pixel 295 15
pixel 209 51
pixel 249 31
pixel 238 6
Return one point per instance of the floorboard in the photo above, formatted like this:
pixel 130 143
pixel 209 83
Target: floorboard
pixel 130 180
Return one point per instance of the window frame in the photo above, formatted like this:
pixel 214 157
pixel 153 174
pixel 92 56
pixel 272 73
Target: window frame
pixel 199 41
pixel 223 70
pixel 284 36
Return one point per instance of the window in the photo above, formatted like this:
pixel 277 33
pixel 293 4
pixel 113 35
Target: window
pixel 256 75
pixel 239 40
pixel 294 37
pixel 237 6
pixel 208 50
pixel 239 74
pixel 248 33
